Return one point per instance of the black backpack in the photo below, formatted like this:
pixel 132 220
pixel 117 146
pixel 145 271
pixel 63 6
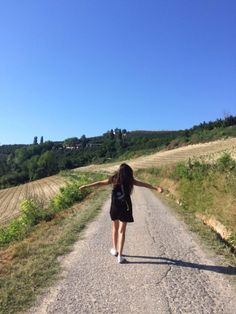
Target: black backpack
pixel 119 197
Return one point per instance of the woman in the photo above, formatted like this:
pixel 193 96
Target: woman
pixel 121 205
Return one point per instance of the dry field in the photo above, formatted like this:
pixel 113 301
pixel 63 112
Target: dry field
pixel 207 151
pixel 10 198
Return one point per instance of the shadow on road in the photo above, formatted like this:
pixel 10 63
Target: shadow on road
pixel 175 262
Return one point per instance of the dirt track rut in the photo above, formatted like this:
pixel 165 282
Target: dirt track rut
pixel 167 272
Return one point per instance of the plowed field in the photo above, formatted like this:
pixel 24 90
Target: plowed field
pixel 10 198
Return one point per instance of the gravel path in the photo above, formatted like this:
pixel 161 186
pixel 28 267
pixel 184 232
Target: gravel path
pixel 167 271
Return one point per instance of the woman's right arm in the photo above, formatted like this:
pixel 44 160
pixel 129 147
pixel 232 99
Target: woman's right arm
pixel 95 184
pixel 147 185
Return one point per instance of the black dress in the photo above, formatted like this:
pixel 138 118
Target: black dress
pixel 121 205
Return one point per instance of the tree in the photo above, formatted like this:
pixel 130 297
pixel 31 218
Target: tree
pixel 41 140
pixel 71 142
pixel 47 164
pixel 48 145
pixel 3 165
pixel 112 135
pixel 84 141
pixel 230 120
pixel 35 140
pixel 32 167
pixel 119 135
pixel 20 156
pixel 119 140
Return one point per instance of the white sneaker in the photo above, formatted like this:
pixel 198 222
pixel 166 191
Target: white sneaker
pixel 121 260
pixel 113 252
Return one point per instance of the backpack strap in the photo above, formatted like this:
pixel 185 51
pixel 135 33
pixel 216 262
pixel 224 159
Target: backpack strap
pixel 123 191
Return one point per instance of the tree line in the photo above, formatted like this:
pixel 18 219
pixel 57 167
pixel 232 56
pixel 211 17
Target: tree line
pixel 23 163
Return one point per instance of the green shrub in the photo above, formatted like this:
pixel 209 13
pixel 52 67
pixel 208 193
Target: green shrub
pixel 226 163
pixel 16 230
pixel 155 171
pixel 67 196
pixel 193 170
pixel 181 171
pixel 32 212
pixel 70 193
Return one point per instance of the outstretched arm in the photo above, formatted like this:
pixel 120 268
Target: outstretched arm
pixel 147 185
pixel 95 184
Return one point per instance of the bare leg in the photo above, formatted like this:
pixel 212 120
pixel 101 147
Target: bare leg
pixel 122 229
pixel 115 228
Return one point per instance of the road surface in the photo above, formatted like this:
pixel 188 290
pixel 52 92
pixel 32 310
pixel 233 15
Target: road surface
pixel 168 272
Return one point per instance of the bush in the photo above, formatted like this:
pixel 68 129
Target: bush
pixel 32 212
pixel 67 196
pixel 181 171
pixel 193 170
pixel 226 163
pixel 155 171
pixel 70 194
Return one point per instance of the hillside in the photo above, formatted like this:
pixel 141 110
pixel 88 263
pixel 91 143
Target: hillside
pixel 24 163
pixel 208 151
pixel 45 188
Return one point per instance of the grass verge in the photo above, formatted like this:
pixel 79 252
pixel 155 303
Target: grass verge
pixel 28 266
pixel 208 189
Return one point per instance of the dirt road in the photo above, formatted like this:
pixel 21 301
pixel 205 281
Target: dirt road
pixel 167 272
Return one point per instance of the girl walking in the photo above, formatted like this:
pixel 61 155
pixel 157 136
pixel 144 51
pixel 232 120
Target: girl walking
pixel 121 206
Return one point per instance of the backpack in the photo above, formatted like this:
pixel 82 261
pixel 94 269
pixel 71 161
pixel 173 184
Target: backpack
pixel 119 198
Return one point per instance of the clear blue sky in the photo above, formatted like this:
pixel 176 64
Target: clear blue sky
pixel 76 67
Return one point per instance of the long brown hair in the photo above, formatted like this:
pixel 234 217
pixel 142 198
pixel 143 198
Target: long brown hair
pixel 124 176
